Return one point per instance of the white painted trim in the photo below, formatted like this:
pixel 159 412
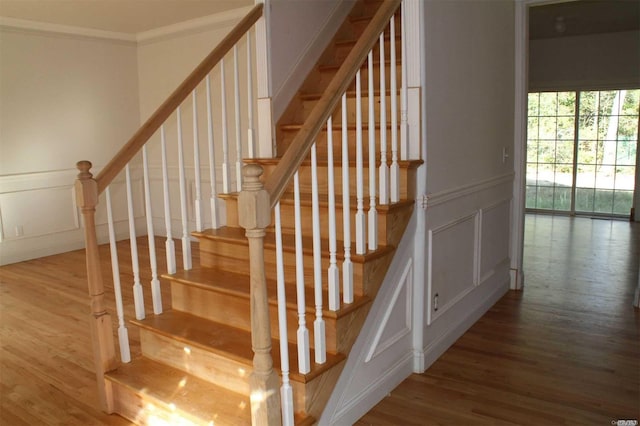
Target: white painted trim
pixel 64 30
pixel 157 34
pixel 464 190
pixel 520 143
pixel 308 58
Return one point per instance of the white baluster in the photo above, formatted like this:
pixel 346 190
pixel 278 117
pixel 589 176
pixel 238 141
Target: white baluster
pixel 286 392
pixel 236 88
pixel 196 165
pixel 394 179
pixel 138 298
pixel 225 131
pixel 304 362
pixel 123 333
pixel 383 196
pixel 169 244
pixel 360 216
pixel 156 296
pixel 212 159
pixel 404 102
pixel 333 274
pixel 347 265
pixel 372 232
pixel 251 144
pixel 318 324
pixel 186 241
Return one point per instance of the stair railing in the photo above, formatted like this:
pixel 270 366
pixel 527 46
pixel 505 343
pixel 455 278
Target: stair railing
pixel 138 179
pixel 257 203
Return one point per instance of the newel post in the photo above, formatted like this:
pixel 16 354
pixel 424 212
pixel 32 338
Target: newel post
pixel 100 321
pixel 254 215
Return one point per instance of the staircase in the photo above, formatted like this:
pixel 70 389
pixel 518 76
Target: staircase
pixel 197 358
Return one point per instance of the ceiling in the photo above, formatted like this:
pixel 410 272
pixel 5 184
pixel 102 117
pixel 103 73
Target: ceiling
pixel 124 16
pixel 583 17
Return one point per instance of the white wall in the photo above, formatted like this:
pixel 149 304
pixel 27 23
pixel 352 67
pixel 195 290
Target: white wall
pixel 469 92
pixel 163 63
pixel 469 101
pixel 65 98
pixel 73 96
pixel 299 31
pixel 590 62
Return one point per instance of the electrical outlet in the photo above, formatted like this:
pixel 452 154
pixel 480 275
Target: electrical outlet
pixel 19 231
pixel 435 302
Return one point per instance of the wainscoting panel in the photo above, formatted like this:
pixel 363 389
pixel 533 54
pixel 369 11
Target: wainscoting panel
pixel 494 248
pixel 452 260
pixel 467 258
pixel 38 212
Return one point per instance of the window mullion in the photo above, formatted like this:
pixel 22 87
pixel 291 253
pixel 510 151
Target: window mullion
pixel 576 138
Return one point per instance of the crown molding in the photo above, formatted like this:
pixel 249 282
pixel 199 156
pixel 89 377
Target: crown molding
pixel 157 34
pixel 192 25
pixel 65 30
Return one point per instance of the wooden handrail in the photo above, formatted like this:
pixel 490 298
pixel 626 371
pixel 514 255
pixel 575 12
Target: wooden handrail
pixel 297 152
pixel 131 148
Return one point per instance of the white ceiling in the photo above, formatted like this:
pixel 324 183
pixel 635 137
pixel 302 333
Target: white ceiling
pixel 124 16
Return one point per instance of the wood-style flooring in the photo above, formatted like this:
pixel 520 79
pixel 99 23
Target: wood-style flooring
pixel 564 351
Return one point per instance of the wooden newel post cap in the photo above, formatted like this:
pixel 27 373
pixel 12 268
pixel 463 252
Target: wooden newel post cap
pixel 254 209
pixel 251 174
pixel 84 166
pixel 86 186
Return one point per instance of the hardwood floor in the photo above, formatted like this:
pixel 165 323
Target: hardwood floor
pixel 564 351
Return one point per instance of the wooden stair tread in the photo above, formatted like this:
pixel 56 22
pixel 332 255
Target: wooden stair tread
pixel 350 126
pixel 314 96
pixel 238 284
pixel 230 342
pixel 163 385
pixel 335 67
pixel 322 162
pixel 236 235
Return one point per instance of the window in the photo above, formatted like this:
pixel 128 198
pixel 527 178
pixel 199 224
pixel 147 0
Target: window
pixel 581 151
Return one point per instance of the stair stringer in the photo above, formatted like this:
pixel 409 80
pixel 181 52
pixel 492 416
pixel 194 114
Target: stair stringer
pixel 383 354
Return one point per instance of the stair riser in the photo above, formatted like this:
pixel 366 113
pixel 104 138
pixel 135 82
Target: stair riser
pixel 225 372
pixel 144 410
pixel 220 370
pixel 326 75
pixel 233 310
pixel 233 257
pixel 387 220
pixel 308 105
pixel 406 176
pixel 288 135
pixel 342 50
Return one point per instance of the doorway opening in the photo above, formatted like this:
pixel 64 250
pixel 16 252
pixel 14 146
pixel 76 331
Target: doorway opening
pixel 582 152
